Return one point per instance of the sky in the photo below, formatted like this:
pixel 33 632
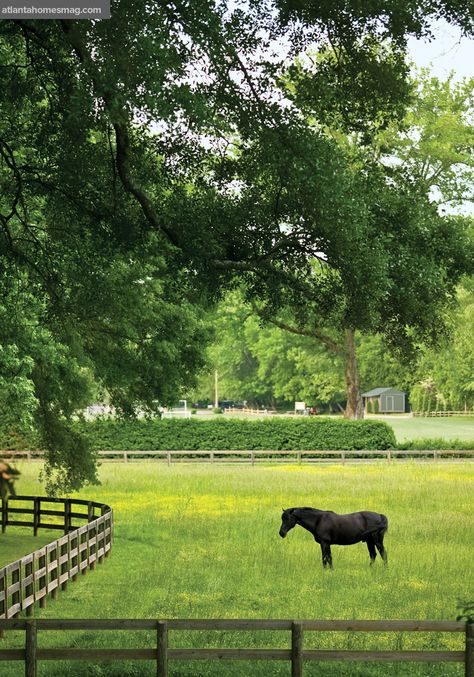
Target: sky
pixel 449 51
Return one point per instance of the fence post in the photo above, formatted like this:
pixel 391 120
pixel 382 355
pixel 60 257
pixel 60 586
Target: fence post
pixel 3 602
pixel 90 511
pixel 30 588
pixel 16 596
pixel 30 649
pixel 84 557
pixel 36 515
pixel 43 580
pixel 4 514
pixel 64 569
pixel 296 649
pixel 469 663
pixel 67 516
pixel 54 573
pixel 162 649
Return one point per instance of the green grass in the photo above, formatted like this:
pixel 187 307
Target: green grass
pixel 409 428
pixel 17 542
pixel 200 541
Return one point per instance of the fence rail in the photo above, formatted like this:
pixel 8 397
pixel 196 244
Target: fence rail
pixel 162 654
pixel 256 455
pixel 30 579
pixel 443 413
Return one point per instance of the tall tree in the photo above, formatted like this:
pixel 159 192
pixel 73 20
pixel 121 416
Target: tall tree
pixel 263 364
pixel 392 264
pixel 444 378
pixel 99 214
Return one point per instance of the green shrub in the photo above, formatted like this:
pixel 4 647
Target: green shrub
pixel 273 434
pixel 13 440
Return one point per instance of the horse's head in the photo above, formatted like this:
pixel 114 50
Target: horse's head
pixel 288 521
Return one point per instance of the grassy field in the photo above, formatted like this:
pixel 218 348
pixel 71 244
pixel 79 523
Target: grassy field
pixel 408 428
pixel 17 542
pixel 196 541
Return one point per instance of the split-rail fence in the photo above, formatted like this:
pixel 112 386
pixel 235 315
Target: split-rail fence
pixel 161 653
pixel 258 455
pixel 31 579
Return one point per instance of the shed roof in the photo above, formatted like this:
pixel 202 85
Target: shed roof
pixel 378 391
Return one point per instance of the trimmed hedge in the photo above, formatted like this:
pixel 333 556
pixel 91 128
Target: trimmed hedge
pixel 13 441
pixel 222 434
pixel 272 434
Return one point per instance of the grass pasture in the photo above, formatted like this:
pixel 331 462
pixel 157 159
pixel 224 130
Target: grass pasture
pixel 200 541
pixel 420 427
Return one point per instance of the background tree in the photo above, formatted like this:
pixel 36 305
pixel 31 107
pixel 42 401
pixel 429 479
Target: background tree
pixel 264 365
pixel 445 376
pixel 271 367
pixel 394 269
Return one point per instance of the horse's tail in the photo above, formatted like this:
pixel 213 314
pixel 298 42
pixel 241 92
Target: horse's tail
pixel 377 530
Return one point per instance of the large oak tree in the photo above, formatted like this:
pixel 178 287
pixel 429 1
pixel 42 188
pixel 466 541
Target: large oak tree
pixel 147 160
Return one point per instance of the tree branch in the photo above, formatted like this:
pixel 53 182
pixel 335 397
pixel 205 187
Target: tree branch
pixel 119 119
pixel 332 345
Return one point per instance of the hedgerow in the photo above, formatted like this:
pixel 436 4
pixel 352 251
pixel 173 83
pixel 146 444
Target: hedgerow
pixel 272 434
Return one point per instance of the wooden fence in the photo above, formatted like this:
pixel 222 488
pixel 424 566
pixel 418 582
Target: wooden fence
pixel 255 455
pixel 32 578
pixel 162 654
pixel 443 413
pixel 248 410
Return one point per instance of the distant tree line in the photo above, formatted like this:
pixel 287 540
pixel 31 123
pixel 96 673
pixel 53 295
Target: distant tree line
pixel 269 367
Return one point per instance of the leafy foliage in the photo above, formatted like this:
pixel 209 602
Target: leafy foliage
pixel 147 161
pixel 446 374
pixel 224 434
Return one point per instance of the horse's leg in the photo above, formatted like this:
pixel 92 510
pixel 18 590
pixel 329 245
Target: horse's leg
pixel 323 554
pixel 329 556
pixel 372 550
pixel 382 551
pixel 326 553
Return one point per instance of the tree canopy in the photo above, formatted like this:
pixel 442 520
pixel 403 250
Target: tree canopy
pixel 148 160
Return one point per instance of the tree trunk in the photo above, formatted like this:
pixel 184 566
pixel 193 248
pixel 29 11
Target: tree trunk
pixel 354 407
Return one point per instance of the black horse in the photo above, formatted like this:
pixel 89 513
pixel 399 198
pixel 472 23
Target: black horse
pixel 329 528
pixel 7 476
